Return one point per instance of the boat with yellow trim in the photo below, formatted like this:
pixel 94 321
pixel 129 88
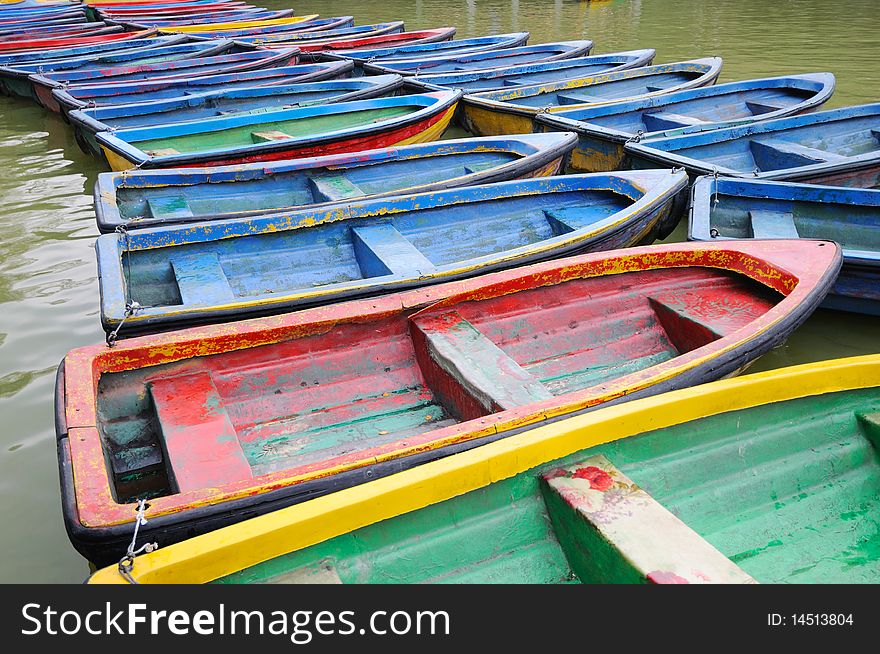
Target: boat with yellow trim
pixel 283 133
pixel 213 424
pixel 512 111
pixel 772 477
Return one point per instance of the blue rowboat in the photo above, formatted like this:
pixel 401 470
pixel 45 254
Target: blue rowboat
pixel 233 268
pixel 52 31
pixel 229 63
pixel 14 58
pixel 17 77
pixel 434 49
pixel 221 17
pixel 603 129
pixel 285 133
pixel 229 102
pixel 512 111
pixel 100 95
pixel 39 12
pixel 530 74
pixel 839 147
pixel 478 61
pixel 288 33
pixel 730 208
pixel 313 25
pixel 137 199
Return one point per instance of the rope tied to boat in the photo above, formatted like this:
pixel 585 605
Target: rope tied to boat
pixel 635 138
pixel 126 563
pixel 714 233
pixel 131 306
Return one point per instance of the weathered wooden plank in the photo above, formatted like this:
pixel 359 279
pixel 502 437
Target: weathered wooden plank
pixel 331 188
pixel 660 120
pixel 201 279
pixel 382 250
pixel 612 531
pixel 481 367
pixel 772 154
pixel 200 443
pixel 169 207
pixel 772 224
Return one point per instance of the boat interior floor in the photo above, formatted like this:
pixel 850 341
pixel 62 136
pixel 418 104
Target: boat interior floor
pixel 351 386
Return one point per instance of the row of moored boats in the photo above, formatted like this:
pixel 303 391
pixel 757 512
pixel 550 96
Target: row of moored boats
pixel 342 348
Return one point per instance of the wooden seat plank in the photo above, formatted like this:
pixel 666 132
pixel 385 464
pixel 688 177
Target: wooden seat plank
pixel 200 444
pixel 612 531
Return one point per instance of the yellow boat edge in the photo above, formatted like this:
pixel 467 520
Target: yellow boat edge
pixel 219 553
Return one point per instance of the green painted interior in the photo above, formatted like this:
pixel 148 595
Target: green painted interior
pixel 789 491
pixel 296 128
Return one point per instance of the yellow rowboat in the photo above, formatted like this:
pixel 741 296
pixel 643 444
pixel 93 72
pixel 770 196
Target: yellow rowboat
pixel 237 25
pixel 778 455
pixel 512 111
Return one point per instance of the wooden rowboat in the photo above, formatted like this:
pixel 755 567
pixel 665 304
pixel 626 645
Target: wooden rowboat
pixel 230 102
pixel 512 111
pixel 16 79
pixel 16 58
pixel 291 35
pixel 480 61
pixel 72 42
pixel 99 95
pixel 318 42
pixel 172 11
pixel 726 208
pixel 136 199
pixel 264 19
pixel 771 477
pixel 212 424
pixel 603 130
pixel 530 74
pixel 838 147
pixel 314 25
pixel 284 134
pixel 58 31
pixel 355 248
pixel 392 52
pixel 221 64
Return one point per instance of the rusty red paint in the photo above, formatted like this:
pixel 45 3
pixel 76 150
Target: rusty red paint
pixel 379 41
pixel 598 478
pixel 666 577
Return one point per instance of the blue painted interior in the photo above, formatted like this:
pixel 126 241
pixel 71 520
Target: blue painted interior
pixel 736 101
pixel 540 73
pixel 137 92
pixel 264 256
pixel 438 48
pixel 826 137
pixel 482 60
pixel 232 101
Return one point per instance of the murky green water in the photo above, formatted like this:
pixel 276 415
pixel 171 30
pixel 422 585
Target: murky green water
pixel 48 291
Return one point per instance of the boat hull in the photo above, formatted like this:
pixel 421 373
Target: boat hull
pixel 240 191
pixel 429 120
pixel 99 525
pixel 514 110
